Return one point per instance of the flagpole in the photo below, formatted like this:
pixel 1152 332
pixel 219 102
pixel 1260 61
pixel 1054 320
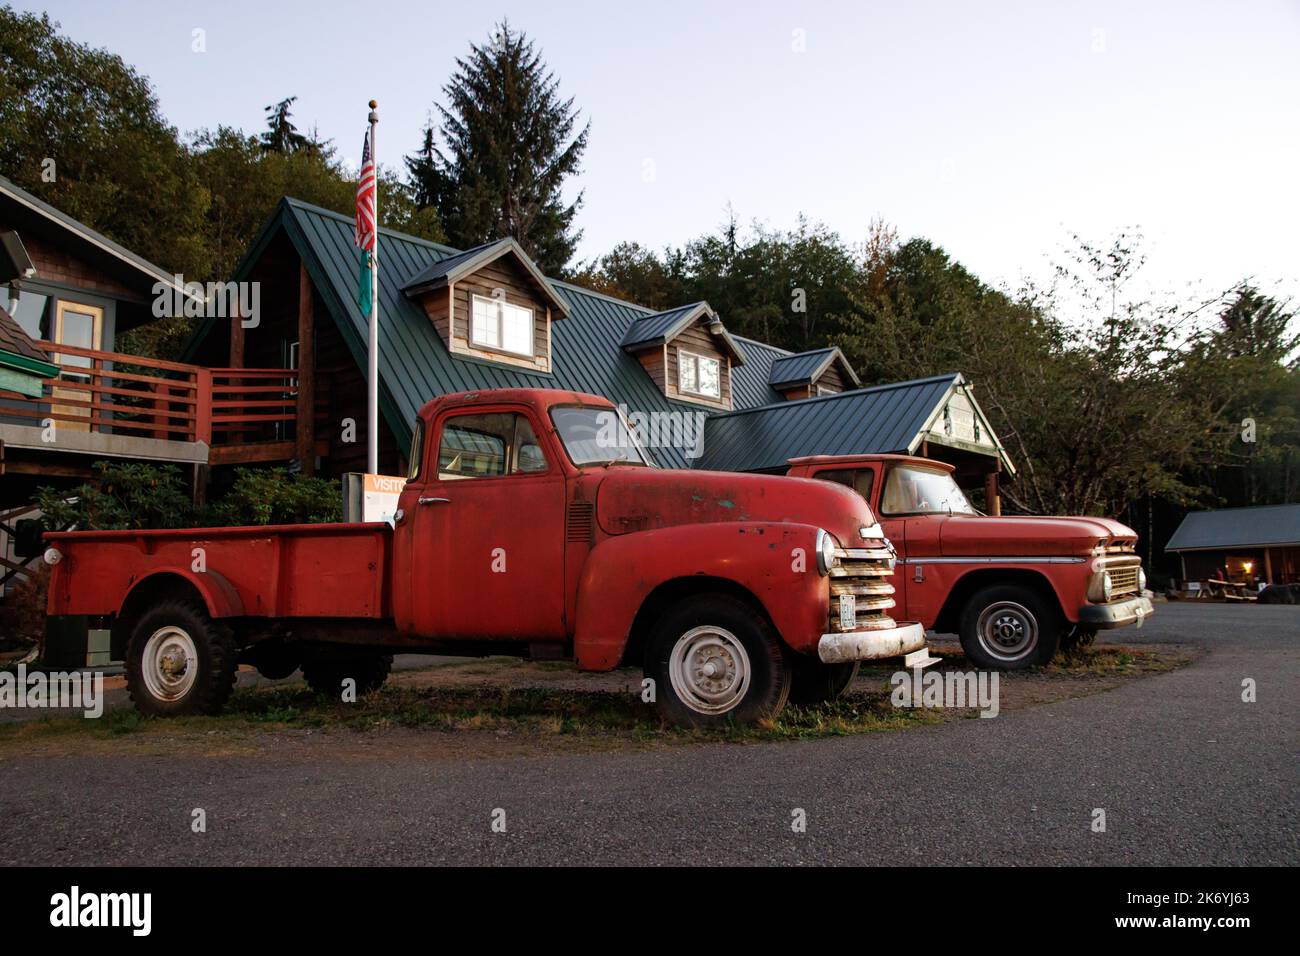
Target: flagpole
pixel 372 377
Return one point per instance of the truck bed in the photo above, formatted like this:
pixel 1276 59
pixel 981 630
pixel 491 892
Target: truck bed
pixel 308 570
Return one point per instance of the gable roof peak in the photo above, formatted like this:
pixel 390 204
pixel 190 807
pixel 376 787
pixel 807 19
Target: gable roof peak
pixel 804 368
pixel 456 266
pixel 660 328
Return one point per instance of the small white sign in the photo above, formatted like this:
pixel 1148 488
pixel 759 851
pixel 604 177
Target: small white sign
pixel 379 494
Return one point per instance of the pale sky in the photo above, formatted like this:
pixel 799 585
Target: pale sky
pixel 994 129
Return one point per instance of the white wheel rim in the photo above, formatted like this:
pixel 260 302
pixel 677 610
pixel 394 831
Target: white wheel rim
pixel 709 670
pixel 170 664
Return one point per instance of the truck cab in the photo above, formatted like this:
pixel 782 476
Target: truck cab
pixel 1012 587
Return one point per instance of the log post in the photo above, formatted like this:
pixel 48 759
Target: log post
pixel 992 499
pixel 305 429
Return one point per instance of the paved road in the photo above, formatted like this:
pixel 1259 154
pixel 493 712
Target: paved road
pixel 1186 772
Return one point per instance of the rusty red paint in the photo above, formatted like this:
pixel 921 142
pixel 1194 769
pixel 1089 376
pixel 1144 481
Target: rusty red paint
pixel 959 542
pixel 566 555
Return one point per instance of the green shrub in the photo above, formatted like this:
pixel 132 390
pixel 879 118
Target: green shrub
pixel 128 496
pixel 121 496
pixel 273 496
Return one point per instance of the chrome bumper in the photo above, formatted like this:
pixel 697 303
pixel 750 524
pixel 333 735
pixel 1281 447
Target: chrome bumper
pixel 870 645
pixel 1119 614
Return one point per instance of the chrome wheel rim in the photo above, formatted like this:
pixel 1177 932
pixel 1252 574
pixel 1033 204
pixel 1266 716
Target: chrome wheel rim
pixel 709 670
pixel 170 663
pixel 1007 631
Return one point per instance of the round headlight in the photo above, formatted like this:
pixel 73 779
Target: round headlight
pixel 1107 585
pixel 825 552
pixel 1142 580
pixel 53 556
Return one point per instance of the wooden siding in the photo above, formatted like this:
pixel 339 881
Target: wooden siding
pixel 698 340
pixel 54 264
pixel 832 379
pixel 450 309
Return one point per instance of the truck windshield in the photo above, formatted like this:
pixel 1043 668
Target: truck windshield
pixel 597 436
pixel 917 490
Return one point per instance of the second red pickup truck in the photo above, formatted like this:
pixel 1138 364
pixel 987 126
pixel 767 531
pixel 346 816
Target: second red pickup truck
pixel 1013 588
pixel 533 524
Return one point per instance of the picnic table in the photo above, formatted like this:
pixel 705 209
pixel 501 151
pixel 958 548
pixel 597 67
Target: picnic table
pixel 1217 589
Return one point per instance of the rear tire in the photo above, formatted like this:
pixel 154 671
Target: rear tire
pixel 716 661
pixel 813 682
pixel 180 661
pixel 325 672
pixel 1009 627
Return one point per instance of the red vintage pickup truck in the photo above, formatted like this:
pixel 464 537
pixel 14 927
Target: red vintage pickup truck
pixel 1013 588
pixel 532 523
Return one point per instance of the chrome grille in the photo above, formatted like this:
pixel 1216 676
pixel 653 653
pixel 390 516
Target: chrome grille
pixel 1123 580
pixel 865 574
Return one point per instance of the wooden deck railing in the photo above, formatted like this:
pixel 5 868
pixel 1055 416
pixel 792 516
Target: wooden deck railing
pixel 132 395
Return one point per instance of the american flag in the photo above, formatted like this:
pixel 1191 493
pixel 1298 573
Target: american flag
pixel 365 232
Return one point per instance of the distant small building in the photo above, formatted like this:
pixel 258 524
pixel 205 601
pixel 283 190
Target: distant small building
pixel 1246 544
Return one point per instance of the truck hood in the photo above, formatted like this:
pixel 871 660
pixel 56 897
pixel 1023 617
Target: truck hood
pixel 641 499
pixel 1023 535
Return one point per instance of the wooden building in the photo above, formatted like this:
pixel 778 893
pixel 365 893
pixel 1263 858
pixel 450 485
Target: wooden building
pixel 1244 546
pixel 70 397
pixel 453 320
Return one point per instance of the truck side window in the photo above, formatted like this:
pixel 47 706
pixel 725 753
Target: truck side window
pixel 417 451
pixel 859 479
pixel 491 445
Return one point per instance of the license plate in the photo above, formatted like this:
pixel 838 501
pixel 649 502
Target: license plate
pixel 848 612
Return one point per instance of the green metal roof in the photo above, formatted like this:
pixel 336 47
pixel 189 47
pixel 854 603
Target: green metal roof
pixel 1263 526
pixel 588 355
pixel 805 367
pixel 415 364
pixel 870 421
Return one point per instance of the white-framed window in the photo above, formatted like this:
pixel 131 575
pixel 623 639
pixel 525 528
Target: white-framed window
pixel 823 390
pixel 699 375
pixel 496 324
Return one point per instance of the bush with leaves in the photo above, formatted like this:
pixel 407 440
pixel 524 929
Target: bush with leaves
pixel 121 496
pixel 125 496
pixel 273 496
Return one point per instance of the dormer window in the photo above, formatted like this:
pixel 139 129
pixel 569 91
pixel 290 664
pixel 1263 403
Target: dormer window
pixel 491 304
pixel 688 353
pixel 699 375
pixel 500 325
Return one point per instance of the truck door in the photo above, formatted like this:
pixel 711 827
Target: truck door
pixel 486 531
pixel 921 587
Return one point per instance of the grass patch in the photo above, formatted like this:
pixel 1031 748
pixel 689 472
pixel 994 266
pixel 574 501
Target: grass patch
pixel 533 711
pixel 598 715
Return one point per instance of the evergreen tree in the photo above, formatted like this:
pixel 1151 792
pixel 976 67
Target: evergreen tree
pixel 281 135
pixel 504 149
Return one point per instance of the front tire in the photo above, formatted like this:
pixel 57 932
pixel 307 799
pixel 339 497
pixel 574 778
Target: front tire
pixel 180 661
pixel 716 661
pixel 1010 627
pixel 813 682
